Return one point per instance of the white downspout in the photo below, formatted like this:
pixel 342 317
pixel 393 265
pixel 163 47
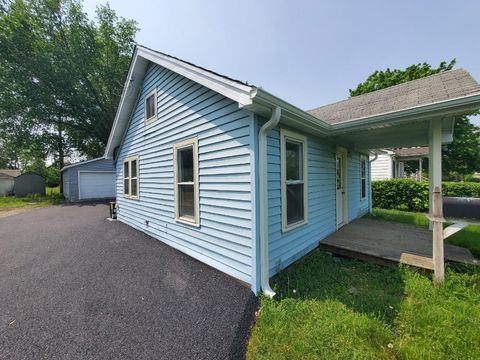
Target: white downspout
pixel 262 141
pixel 370 208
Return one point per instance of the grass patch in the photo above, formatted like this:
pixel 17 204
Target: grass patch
pixel 52 196
pixel 404 217
pixel 332 308
pixel 52 190
pixel 468 237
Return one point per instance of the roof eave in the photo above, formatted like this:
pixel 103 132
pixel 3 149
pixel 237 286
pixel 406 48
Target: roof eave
pixel 242 94
pixel 264 100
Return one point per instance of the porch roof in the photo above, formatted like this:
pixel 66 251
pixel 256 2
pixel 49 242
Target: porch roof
pixel 432 89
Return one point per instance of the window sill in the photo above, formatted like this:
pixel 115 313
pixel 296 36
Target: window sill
pixel 131 197
pixel 187 222
pixel 151 120
pixel 293 226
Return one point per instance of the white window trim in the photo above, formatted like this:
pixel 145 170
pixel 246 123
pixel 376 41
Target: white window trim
pixel 178 146
pixel 363 157
pixel 284 135
pixel 154 117
pixel 129 161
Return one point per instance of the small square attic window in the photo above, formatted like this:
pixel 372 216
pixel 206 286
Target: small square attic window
pixel 151 107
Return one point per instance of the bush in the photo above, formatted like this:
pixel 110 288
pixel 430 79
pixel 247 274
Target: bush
pixel 407 194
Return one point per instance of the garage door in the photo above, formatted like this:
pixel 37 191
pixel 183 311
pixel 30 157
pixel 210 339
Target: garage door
pixel 96 184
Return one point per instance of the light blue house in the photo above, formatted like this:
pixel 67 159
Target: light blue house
pixel 244 181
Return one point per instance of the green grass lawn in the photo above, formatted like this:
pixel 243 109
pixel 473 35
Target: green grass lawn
pixel 52 196
pixel 332 308
pixel 468 237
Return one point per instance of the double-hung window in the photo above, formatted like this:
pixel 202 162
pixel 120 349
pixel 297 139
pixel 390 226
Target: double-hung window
pixel 294 179
pixel 130 177
pixel 185 159
pixel 363 177
pixel 151 107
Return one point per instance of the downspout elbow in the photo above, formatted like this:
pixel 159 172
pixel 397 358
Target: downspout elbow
pixel 264 258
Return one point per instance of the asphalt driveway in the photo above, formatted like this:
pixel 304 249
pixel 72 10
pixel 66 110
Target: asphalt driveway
pixel 76 286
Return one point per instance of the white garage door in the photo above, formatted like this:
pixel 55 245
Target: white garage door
pixel 96 185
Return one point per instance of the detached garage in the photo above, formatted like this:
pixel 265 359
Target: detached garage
pixel 89 180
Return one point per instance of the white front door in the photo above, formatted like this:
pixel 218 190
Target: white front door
pixel 340 186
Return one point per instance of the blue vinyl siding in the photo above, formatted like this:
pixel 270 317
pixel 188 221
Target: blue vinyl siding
pixel 285 248
pixel 226 156
pixel 72 174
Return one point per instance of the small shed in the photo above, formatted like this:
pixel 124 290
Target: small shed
pixel 29 183
pixel 7 180
pixel 89 180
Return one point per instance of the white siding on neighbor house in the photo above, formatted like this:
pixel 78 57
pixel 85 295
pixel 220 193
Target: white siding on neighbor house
pixel 6 186
pixel 382 167
pixel 286 247
pixel 186 110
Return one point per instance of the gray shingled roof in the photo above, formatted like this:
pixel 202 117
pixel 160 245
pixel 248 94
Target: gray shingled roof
pixel 446 85
pixel 8 173
pixel 411 152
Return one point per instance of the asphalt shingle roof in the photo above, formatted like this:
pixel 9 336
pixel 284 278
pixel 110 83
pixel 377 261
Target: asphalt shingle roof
pixel 443 86
pixel 413 151
pixel 7 173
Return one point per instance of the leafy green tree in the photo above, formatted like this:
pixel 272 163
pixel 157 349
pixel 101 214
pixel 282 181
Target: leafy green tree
pixel 61 75
pixel 462 156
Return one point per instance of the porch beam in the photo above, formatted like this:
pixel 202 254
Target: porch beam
pixel 435 203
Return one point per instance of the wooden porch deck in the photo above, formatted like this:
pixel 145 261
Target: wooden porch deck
pixel 386 243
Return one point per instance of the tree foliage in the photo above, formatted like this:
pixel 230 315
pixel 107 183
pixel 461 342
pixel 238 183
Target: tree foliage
pixel 462 156
pixel 61 77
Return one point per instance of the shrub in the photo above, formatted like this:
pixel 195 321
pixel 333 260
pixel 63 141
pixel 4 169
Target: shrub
pixel 407 194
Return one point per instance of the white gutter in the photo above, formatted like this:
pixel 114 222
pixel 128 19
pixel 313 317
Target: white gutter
pixel 262 141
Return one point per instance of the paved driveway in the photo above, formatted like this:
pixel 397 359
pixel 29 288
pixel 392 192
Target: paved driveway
pixel 76 286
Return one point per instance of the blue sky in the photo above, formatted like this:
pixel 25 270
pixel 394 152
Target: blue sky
pixel 307 52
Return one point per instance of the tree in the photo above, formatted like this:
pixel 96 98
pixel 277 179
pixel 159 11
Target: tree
pixel 61 75
pixel 462 156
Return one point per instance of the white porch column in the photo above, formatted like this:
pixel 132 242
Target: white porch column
pixel 420 169
pixel 436 205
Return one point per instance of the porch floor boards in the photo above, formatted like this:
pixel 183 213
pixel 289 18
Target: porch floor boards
pixel 385 243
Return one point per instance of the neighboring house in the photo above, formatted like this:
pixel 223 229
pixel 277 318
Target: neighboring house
pixel 390 164
pixel 29 183
pixel 7 180
pixel 248 183
pixel 89 180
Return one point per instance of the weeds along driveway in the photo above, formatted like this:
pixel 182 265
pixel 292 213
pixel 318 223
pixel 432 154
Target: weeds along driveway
pixel 76 286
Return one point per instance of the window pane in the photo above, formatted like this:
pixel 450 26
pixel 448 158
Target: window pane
pixel 186 204
pixel 125 186
pixel 150 106
pixel 294 161
pixel 294 203
pixel 133 168
pixel 134 187
pixel 363 165
pixel 364 188
pixel 125 170
pixel 185 165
